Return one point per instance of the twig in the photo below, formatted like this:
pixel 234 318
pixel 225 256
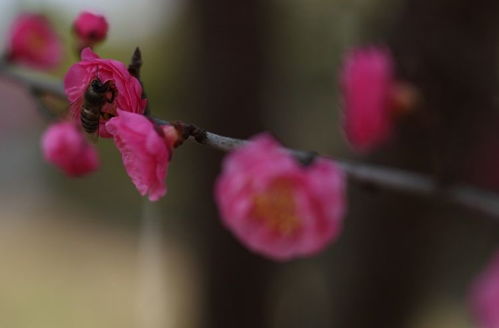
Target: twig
pixel 383 177
pixel 134 69
pixel 42 107
pixel 401 180
pixel 38 84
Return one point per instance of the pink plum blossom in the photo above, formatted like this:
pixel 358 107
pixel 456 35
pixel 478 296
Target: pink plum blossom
pixel 367 81
pixel 145 152
pixel 127 88
pixel 65 146
pixel 275 206
pixel 485 295
pixel 34 43
pixel 90 28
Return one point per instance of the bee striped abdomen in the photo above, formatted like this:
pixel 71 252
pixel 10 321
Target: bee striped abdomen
pixel 96 96
pixel 89 119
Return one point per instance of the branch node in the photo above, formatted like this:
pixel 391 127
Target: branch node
pixel 307 158
pixel 190 130
pixel 199 134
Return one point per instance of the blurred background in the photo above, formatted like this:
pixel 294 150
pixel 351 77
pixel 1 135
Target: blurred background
pixel 92 253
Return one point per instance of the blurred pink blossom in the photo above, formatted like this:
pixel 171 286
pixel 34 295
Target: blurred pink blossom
pixel 485 295
pixel 275 206
pixel 367 81
pixel 145 152
pixel 65 146
pixel 91 67
pixel 90 28
pixel 33 42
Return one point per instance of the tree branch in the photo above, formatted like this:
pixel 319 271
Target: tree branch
pixel 35 83
pixel 384 177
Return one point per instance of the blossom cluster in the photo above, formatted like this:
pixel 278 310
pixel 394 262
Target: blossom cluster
pixel 114 112
pixel 273 204
pixel 145 150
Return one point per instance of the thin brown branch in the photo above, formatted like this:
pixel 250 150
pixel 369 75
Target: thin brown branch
pixel 380 176
pixel 383 177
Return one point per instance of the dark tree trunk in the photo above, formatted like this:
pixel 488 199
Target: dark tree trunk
pixel 231 65
pixel 448 50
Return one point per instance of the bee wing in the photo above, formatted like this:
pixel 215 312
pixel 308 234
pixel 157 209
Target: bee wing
pixel 75 109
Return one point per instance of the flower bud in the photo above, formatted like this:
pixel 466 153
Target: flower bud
pixel 65 146
pixel 373 99
pixel 90 28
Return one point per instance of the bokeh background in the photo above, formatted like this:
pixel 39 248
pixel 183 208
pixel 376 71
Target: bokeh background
pixel 91 252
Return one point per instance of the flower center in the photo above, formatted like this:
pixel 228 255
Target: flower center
pixel 36 41
pixel 276 207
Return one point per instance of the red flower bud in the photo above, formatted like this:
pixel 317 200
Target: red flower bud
pixel 90 28
pixel 65 146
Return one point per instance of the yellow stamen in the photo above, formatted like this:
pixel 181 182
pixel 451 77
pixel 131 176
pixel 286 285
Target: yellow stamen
pixel 36 41
pixel 276 207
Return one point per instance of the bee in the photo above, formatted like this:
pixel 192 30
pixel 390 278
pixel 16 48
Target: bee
pixel 96 96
